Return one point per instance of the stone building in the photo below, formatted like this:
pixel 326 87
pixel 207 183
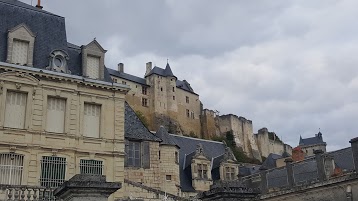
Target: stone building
pixel 163 99
pixel 309 145
pixel 159 163
pixel 60 113
pixel 268 143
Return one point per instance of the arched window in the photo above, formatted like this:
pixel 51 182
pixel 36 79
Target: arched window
pixel 11 168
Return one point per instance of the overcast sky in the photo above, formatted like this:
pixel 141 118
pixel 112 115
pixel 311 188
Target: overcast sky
pixel 290 66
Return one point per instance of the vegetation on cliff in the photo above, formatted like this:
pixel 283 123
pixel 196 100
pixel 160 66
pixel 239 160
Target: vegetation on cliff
pixel 237 151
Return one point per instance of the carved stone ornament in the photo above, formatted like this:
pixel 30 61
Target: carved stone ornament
pixel 58 61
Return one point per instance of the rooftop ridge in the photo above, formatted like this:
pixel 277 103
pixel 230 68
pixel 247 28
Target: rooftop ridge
pixel 27 6
pixel 199 139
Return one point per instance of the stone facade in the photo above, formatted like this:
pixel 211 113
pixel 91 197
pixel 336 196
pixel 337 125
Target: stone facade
pixel 163 100
pixel 243 133
pixel 33 142
pixel 267 144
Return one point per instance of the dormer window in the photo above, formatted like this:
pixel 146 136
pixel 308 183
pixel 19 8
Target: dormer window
pixel 93 60
pixel 20 46
pixel 58 61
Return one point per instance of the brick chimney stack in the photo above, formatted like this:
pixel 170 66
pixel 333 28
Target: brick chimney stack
pixel 39 4
pixel 354 145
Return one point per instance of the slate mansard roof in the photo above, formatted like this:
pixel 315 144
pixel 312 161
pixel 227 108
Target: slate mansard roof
pixel 318 139
pixel 188 145
pixel 133 127
pixel 49 30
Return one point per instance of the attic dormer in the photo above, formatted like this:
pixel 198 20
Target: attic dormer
pixel 93 60
pixel 201 170
pixel 20 45
pixel 229 169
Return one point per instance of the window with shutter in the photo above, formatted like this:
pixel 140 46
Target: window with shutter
pixel 15 109
pixel 20 51
pixel 133 154
pixel 146 155
pixel 56 108
pixel 93 67
pixel 91 124
pixel 11 167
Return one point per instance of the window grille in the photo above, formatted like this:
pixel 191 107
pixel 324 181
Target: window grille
pixel 15 110
pixel 91 167
pixel 144 102
pixel 11 168
pixel 186 99
pixel 144 90
pixel 92 114
pixel 133 154
pixel 53 171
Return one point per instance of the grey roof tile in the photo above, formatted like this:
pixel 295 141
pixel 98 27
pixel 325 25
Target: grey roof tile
pixel 127 76
pixel 187 147
pixel 134 128
pixel 318 139
pixel 343 158
pixel 184 85
pixel 167 139
pixel 270 161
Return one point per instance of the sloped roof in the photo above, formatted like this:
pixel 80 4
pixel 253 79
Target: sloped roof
pixel 312 140
pixel 184 85
pixel 49 29
pixel 167 72
pixel 270 161
pixel 188 145
pixel 134 128
pixel 167 139
pixel 127 76
pixel 343 158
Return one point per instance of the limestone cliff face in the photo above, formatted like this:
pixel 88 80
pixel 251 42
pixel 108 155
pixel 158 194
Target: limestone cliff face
pixel 269 143
pixel 243 133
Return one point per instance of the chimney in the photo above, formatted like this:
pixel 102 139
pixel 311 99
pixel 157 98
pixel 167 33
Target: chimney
pixel 121 67
pixel 39 4
pixel 148 66
pixel 354 145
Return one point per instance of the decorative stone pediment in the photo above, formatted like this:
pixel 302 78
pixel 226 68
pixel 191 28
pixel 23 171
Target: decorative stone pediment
pixel 95 46
pixel 229 155
pixel 22 30
pixel 199 152
pixel 19 78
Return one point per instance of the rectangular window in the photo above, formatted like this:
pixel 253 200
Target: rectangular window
pixel 144 102
pixel 93 67
pixel 144 90
pixel 15 109
pixel 56 108
pixel 92 117
pixel 91 167
pixel 173 97
pixel 124 82
pixel 186 99
pixel 230 173
pixel 168 177
pixel 53 171
pixel 176 157
pixel 11 167
pixel 192 115
pixel 187 113
pixel 202 171
pixel 20 51
pixel 133 154
pixel 173 89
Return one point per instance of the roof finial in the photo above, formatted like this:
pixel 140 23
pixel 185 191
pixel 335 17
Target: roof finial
pixel 94 38
pixel 39 4
pixel 167 60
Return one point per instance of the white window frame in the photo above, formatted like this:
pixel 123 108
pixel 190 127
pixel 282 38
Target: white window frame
pixel 11 168
pixel 203 171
